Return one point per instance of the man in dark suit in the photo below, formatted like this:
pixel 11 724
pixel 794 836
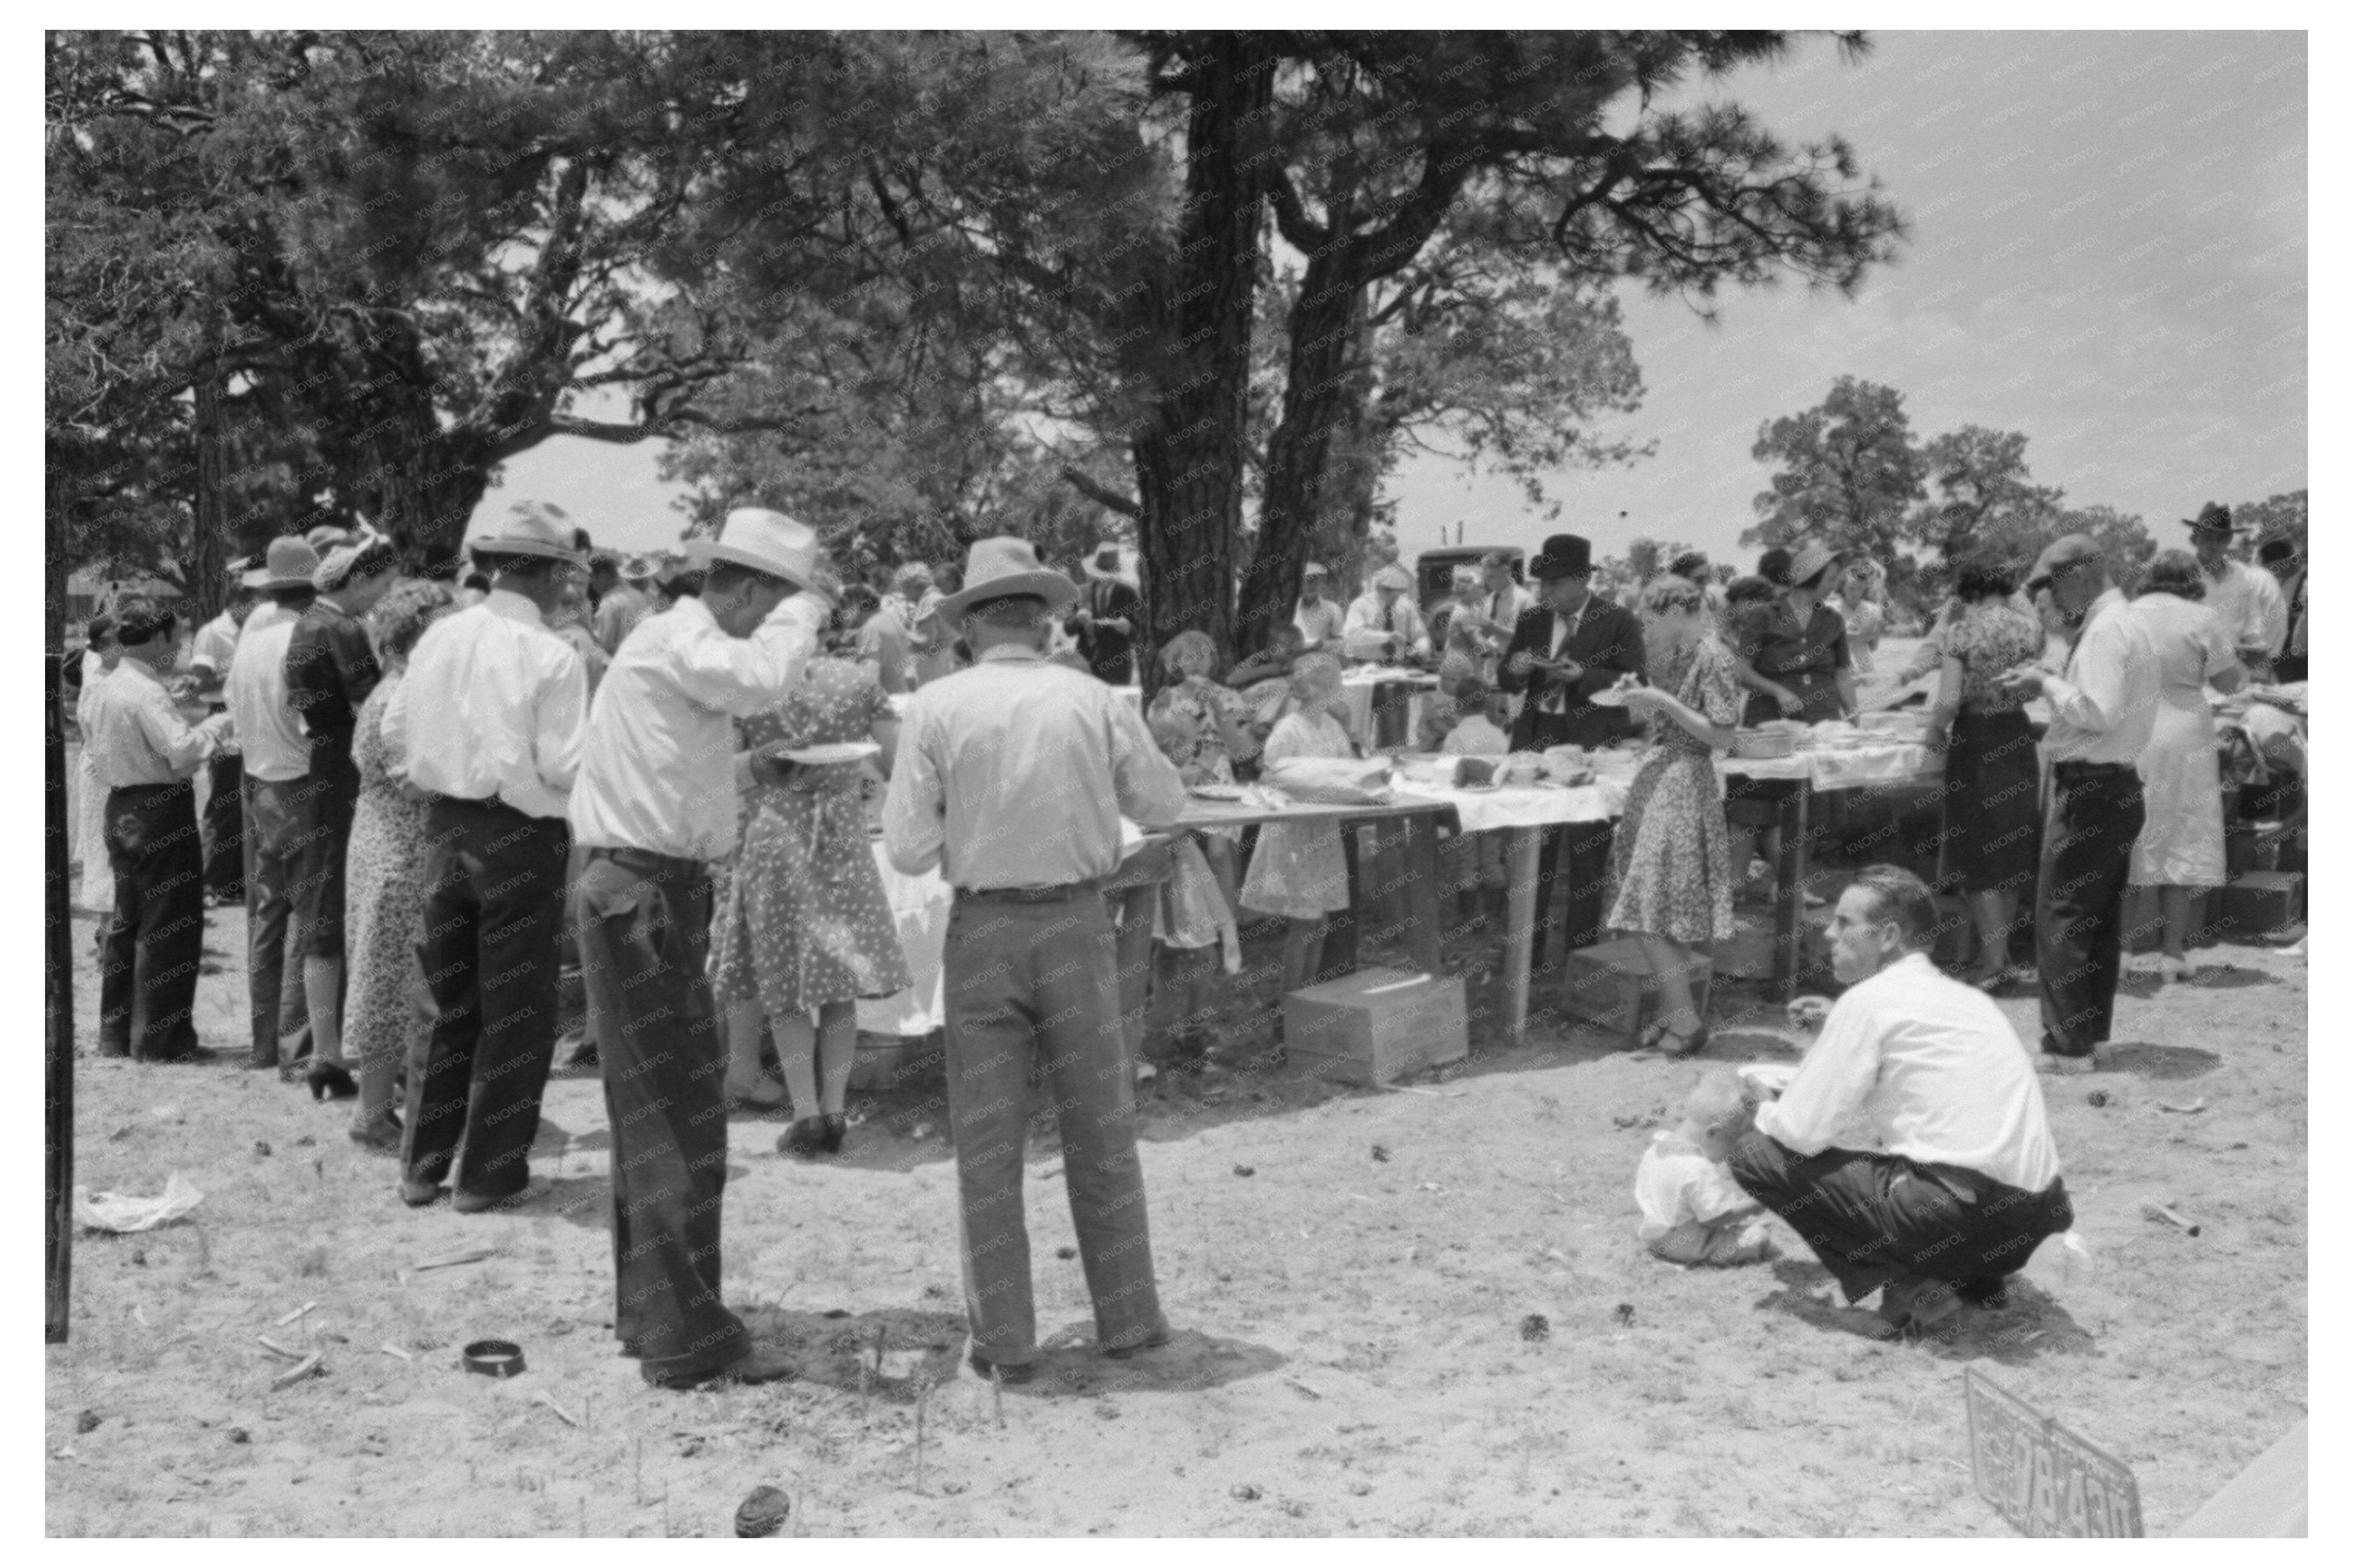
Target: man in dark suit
pixel 1565 647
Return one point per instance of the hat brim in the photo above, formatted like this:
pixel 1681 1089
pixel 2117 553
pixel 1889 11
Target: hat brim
pixel 493 544
pixel 1550 568
pixel 702 554
pixel 258 577
pixel 1058 590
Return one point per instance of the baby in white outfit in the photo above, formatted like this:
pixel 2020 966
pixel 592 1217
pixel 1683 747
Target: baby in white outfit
pixel 1692 1211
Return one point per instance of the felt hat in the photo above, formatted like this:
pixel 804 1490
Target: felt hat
pixel 532 527
pixel 2068 550
pixel 288 564
pixel 764 541
pixel 1394 576
pixel 999 568
pixel 1109 563
pixel 1810 560
pixel 1563 555
pixel 2212 518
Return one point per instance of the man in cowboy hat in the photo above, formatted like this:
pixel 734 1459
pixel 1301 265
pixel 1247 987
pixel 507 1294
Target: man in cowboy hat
pixel 488 724
pixel 1567 646
pixel 654 805
pixel 331 668
pixel 1385 618
pixel 620 610
pixel 1104 620
pixel 145 754
pixel 209 658
pixel 276 761
pixel 2246 600
pixel 1319 619
pixel 2103 710
pixel 1011 778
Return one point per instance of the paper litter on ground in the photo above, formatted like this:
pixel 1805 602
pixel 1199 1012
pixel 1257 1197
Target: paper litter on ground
pixel 123 1214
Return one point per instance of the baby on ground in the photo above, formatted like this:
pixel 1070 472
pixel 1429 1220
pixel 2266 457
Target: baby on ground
pixel 1692 1211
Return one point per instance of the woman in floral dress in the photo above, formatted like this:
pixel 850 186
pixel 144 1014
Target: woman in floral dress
pixel 384 883
pixel 1670 884
pixel 806 926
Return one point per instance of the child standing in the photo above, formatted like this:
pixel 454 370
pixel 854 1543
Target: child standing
pixel 1473 861
pixel 1299 872
pixel 1692 1211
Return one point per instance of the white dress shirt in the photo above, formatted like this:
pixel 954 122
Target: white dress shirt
pixel 216 644
pixel 1403 618
pixel 657 771
pixel 137 736
pixel 1677 1183
pixel 2104 708
pixel 1563 626
pixel 1320 622
pixel 492 707
pixel 1015 774
pixel 276 750
pixel 2248 600
pixel 1936 1070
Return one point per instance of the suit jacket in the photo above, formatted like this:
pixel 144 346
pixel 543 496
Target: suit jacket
pixel 1607 642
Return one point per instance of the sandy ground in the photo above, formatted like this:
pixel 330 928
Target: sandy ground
pixel 1355 1277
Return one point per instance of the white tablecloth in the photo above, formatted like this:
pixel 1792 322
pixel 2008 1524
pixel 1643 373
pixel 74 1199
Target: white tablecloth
pixel 1841 769
pixel 920 906
pixel 1514 806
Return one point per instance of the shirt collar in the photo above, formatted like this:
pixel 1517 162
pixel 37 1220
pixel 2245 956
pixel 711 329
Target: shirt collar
pixel 1010 653
pixel 511 605
pixel 138 668
pixel 332 609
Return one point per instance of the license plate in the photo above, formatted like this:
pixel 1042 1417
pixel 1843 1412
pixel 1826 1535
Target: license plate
pixel 2043 1478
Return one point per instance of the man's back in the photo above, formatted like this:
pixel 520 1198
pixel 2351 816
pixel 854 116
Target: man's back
pixel 266 730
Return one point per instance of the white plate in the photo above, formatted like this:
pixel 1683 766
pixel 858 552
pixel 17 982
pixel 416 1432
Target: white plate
pixel 1607 697
pixel 837 752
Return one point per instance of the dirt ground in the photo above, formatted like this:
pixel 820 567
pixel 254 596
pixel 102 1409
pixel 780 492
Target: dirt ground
pixel 1357 1278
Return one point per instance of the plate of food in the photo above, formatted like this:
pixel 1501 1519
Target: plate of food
pixel 1615 696
pixel 832 753
pixel 1217 792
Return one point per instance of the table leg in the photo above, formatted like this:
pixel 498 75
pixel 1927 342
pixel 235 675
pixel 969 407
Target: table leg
pixel 1790 904
pixel 1422 899
pixel 1519 924
pixel 1340 927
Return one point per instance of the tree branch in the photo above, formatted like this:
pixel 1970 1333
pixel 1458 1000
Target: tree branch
pixel 1100 494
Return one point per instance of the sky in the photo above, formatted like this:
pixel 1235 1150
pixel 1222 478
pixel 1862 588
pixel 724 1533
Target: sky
pixel 2107 253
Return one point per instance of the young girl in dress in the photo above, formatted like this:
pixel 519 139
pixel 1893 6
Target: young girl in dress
pixel 1669 883
pixel 1299 872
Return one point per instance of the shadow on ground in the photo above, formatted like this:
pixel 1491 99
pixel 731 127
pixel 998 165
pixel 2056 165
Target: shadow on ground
pixel 2030 1325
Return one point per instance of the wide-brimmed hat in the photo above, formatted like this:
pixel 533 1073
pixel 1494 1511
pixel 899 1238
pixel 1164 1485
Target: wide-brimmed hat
pixel 638 568
pixel 764 541
pixel 327 535
pixel 288 564
pixel 2212 518
pixel 1002 568
pixel 1810 560
pixel 532 527
pixel 1563 555
pixel 1110 563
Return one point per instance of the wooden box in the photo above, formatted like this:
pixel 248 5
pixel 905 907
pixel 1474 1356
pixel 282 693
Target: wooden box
pixel 1375 1025
pixel 1611 984
pixel 2261 903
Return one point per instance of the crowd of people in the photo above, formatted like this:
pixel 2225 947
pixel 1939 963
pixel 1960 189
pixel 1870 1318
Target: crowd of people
pixel 435 797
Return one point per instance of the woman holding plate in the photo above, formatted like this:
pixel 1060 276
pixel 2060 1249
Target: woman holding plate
pixel 805 927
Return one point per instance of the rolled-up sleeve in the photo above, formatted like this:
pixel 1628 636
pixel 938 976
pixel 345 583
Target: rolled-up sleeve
pixel 561 725
pixel 1150 793
pixel 1832 1082
pixel 744 675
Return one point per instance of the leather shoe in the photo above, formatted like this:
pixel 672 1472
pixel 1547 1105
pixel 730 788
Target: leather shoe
pixel 417 1194
pixel 1009 1370
pixel 759 1365
pixel 2067 1067
pixel 490 1203
pixel 1153 1341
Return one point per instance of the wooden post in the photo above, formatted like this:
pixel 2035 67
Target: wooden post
pixel 1789 901
pixel 1520 847
pixel 57 1251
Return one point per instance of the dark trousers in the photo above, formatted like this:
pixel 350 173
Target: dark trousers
pixel 155 937
pixel 643 922
pixel 2079 903
pixel 225 828
pixel 493 901
pixel 1874 1219
pixel 1573 858
pixel 273 952
pixel 1032 991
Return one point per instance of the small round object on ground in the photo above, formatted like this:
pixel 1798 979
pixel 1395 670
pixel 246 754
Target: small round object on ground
pixel 494 1358
pixel 2097 1097
pixel 762 1512
pixel 1535 1326
pixel 1245 1170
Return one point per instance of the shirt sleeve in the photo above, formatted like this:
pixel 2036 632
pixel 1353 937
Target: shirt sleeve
pixel 2093 698
pixel 1150 794
pixel 915 809
pixel 1360 618
pixel 2215 638
pixel 560 723
pixel 171 739
pixel 743 675
pixel 2267 609
pixel 1832 1082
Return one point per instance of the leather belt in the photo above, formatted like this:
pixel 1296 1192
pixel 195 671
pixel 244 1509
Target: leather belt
pixel 644 862
pixel 1059 893
pixel 2066 771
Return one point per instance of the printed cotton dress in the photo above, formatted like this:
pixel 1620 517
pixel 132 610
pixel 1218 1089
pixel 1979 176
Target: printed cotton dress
pixel 1671 860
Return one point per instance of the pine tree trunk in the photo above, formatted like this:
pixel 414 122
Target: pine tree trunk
pixel 1189 453
pixel 203 576
pixel 1322 405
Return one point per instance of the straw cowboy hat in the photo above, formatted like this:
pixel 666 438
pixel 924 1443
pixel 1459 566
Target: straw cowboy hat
pixel 1110 563
pixel 532 527
pixel 288 564
pixel 1003 568
pixel 766 542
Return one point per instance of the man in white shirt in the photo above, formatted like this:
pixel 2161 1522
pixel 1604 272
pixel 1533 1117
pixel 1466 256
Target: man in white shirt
pixel 654 805
pixel 276 758
pixel 487 723
pixel 209 658
pixel 1319 619
pixel 2246 599
pixel 1970 1184
pixel 146 754
pixel 1500 603
pixel 2103 709
pixel 1384 617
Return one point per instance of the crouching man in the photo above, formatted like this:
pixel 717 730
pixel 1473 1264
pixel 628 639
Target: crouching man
pixel 1969 1185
